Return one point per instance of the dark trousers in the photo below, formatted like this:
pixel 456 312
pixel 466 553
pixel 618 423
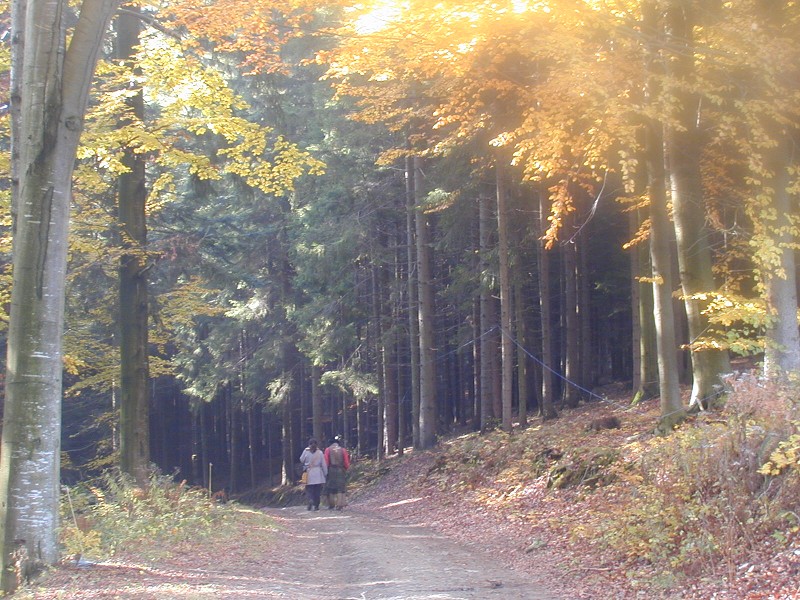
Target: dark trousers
pixel 314 492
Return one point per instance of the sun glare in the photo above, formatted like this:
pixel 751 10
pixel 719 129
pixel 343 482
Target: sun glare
pixel 381 16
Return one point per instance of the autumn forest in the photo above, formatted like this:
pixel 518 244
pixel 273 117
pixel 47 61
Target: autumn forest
pixel 232 226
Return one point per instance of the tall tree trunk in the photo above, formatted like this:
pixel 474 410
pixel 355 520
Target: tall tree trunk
pixel 672 409
pixel 488 319
pixel 293 441
pixel 402 353
pixel 572 395
pixel 782 353
pixel 774 210
pixel 251 443
pixel 345 417
pixel 645 352
pixel 390 366
pixel 521 335
pixel 133 303
pixel 316 402
pixel 376 273
pixel 684 145
pixel 361 426
pixel 548 408
pixel 477 410
pixel 507 343
pixel 587 351
pixel 54 87
pixel 391 387
pixel 427 379
pixel 413 301
pixel 290 444
pixel 205 450
pixel 234 437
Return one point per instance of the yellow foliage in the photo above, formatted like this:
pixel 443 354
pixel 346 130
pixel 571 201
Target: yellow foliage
pixel 194 102
pixel 785 457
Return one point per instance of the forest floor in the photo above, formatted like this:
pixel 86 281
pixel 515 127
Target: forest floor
pixel 410 533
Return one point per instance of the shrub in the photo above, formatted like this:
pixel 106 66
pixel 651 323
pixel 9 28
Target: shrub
pixel 111 514
pixel 704 496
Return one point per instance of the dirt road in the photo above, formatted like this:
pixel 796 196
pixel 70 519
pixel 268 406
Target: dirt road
pixel 324 555
pixel 361 557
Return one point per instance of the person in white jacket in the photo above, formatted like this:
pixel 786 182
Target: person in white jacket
pixel 313 461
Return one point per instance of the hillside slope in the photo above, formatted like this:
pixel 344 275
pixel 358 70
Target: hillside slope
pixel 595 512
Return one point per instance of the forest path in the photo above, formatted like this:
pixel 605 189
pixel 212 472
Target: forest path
pixel 355 554
pixel 352 555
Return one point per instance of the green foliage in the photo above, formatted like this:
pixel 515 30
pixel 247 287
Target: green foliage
pixel 112 514
pixel 360 385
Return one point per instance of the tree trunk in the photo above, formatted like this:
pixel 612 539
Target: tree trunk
pixel 251 444
pixel 782 353
pixel 413 305
pixel 361 426
pixel 290 444
pixel 427 356
pixel 380 353
pixel 684 145
pixel 477 410
pixel 391 387
pixel 234 437
pixel 54 87
pixel 488 319
pixel 572 395
pixel 507 343
pixel 390 366
pixel 672 409
pixel 316 402
pixel 548 408
pixel 401 354
pixel 522 356
pixel 205 450
pixel 645 359
pixel 774 211
pixel 133 303
pixel 587 352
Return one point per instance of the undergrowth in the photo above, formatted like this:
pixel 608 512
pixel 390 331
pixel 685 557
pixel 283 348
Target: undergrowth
pixel 113 514
pixel 704 501
pixel 716 494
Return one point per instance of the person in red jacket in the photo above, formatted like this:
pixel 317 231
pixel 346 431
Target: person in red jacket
pixel 338 461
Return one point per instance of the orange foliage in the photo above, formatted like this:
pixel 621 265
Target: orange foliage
pixel 256 29
pixel 532 78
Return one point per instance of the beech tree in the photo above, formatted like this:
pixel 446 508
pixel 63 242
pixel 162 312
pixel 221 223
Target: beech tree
pixel 133 293
pixel 53 78
pixel 766 131
pixel 684 144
